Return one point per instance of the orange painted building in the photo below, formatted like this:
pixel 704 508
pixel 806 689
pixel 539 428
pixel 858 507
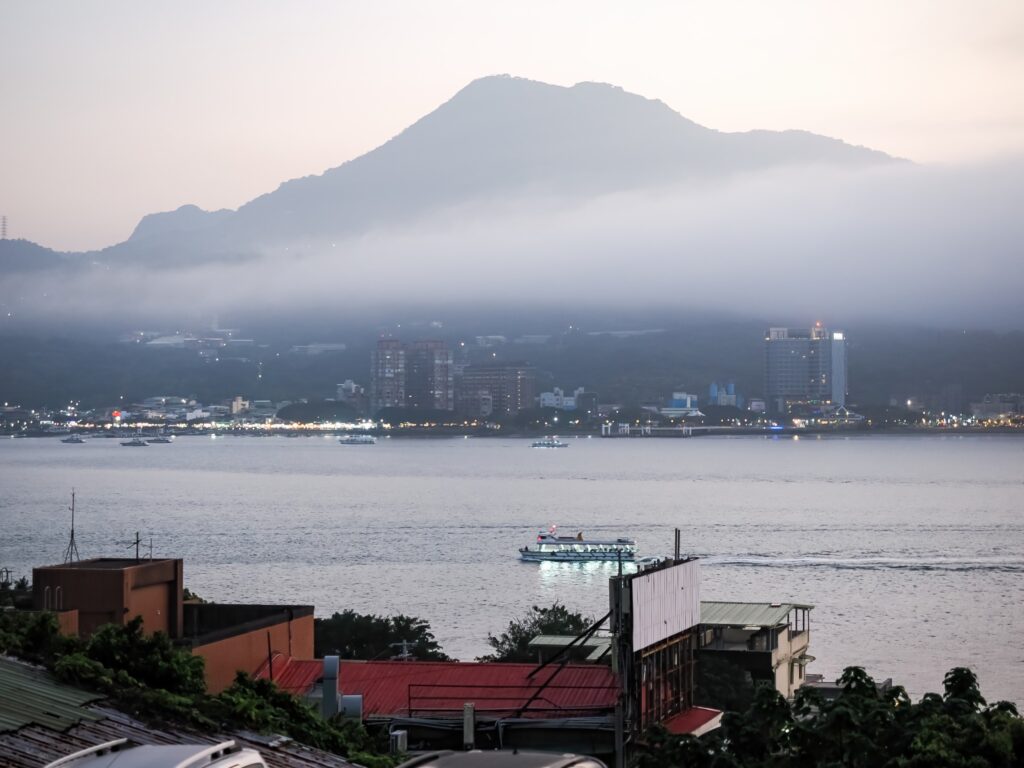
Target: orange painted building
pixel 87 594
pixel 233 638
pixel 113 591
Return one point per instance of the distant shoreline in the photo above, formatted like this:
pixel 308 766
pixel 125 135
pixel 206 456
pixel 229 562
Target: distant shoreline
pixel 422 433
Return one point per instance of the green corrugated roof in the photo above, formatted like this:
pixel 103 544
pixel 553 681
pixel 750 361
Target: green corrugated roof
pixel 30 695
pixel 721 614
pixel 598 645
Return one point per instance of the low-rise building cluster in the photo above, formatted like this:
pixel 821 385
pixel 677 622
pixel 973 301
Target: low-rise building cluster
pixel 636 667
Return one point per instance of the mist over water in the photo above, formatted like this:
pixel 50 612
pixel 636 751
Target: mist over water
pixel 928 245
pixel 911 548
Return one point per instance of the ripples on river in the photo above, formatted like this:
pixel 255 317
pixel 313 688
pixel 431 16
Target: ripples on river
pixel 911 548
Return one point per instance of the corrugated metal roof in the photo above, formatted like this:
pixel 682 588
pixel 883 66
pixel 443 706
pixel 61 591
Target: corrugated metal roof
pixel 441 688
pixel 30 695
pixel 42 720
pixel 293 675
pixel 724 614
pixel 695 720
pixel 36 745
pixel 599 646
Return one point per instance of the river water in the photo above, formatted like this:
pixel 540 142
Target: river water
pixel 911 548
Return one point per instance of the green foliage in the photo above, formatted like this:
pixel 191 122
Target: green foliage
pixel 513 643
pixel 352 635
pixel 151 660
pixel 149 677
pixel 723 685
pixel 17 593
pixel 318 411
pixel 864 727
pixel 261 706
pixel 33 636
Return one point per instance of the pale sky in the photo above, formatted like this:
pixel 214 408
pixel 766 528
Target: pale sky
pixel 111 110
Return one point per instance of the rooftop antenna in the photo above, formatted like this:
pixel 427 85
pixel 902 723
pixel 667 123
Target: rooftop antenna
pixel 71 553
pixel 136 544
pixel 405 654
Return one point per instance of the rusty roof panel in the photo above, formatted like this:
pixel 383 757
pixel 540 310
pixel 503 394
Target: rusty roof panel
pixel 30 695
pixel 42 720
pixel 35 745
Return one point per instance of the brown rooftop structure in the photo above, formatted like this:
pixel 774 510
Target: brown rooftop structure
pixel 113 591
pixel 87 594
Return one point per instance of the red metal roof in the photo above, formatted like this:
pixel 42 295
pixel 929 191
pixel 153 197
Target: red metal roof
pixel 428 688
pixel 695 720
pixel 293 675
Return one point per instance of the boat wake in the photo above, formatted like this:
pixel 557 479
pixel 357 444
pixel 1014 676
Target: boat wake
pixel 998 565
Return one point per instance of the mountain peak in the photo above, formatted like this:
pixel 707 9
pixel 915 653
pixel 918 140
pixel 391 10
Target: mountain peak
pixel 185 219
pixel 498 138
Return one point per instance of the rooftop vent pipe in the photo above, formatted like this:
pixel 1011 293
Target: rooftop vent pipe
pixel 329 705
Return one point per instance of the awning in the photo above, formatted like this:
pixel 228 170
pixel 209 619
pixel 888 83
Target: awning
pixel 695 721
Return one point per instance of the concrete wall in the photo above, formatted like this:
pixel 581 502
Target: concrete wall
pixel 154 603
pixel 248 650
pixel 67 622
pixel 791 646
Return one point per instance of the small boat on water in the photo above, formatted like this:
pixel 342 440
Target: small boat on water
pixel 135 442
pixel 357 440
pixel 549 442
pixel 159 439
pixel 75 439
pixel 575 549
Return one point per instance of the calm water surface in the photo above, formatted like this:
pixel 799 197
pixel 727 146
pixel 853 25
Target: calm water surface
pixel 911 548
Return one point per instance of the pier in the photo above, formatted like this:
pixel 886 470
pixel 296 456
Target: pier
pixel 624 429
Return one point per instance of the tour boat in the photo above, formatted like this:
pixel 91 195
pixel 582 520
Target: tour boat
pixel 549 442
pixel 576 549
pixel 73 439
pixel 357 440
pixel 135 442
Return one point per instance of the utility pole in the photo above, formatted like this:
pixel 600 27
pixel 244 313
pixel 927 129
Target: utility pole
pixel 136 544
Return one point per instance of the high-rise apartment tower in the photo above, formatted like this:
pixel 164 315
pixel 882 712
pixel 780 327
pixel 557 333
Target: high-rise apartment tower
pixel 429 379
pixel 387 375
pixel 804 368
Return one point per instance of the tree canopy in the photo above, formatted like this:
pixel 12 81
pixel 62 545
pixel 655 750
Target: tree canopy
pixel 149 677
pixel 513 643
pixel 352 635
pixel 317 411
pixel 865 726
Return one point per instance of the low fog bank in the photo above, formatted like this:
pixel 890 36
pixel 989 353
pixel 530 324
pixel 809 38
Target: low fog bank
pixel 926 245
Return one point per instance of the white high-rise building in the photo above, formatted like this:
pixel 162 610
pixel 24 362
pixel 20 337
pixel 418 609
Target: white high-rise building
pixel 805 367
pixel 838 377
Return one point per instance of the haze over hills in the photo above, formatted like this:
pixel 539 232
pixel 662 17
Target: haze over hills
pixel 523 194
pixel 498 137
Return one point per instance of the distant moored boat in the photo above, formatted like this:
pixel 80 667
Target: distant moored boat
pixel 549 442
pixel 357 440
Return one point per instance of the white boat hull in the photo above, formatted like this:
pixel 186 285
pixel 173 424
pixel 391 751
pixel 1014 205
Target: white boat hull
pixel 533 556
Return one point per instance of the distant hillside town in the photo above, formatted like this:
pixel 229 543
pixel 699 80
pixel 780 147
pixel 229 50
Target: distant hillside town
pixel 488 385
